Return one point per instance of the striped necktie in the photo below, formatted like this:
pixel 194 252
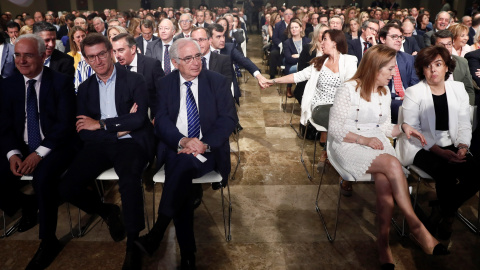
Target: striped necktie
pixel 166 61
pixel 33 122
pixel 192 114
pixel 204 63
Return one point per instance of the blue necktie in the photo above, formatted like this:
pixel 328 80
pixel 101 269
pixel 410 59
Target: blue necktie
pixel 192 114
pixel 129 68
pixel 166 61
pixel 33 127
pixel 204 63
pixel 47 61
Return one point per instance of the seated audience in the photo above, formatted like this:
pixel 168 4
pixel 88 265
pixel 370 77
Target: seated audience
pixel 460 38
pixel 115 30
pixel 76 34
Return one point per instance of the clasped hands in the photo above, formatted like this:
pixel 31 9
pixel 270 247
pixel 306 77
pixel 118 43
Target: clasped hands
pixel 192 146
pixel 88 123
pixel 25 167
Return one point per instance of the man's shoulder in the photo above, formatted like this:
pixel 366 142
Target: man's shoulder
pixel 139 39
pixel 405 57
pixel 57 55
pixel 473 54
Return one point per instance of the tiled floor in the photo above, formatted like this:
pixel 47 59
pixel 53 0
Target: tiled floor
pixel 274 222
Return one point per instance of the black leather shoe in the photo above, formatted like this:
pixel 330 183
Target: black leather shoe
pixel 46 253
pixel 115 224
pixel 133 260
pixel 27 222
pixel 148 244
pixel 188 263
pixel 198 195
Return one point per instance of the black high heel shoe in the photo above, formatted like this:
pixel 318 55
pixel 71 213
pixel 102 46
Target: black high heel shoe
pixel 387 266
pixel 438 250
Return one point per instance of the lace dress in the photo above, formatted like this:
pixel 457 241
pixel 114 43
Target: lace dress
pixel 373 121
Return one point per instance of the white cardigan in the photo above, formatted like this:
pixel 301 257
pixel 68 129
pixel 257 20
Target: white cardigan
pixel 419 112
pixel 347 66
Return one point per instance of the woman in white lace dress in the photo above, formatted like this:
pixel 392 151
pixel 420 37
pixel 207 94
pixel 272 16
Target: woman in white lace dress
pixel 360 124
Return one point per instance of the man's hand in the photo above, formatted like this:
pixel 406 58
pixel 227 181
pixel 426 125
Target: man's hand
pixel 15 163
pixel 192 146
pixel 371 39
pixel 132 110
pixel 85 122
pixel 262 81
pixel 29 164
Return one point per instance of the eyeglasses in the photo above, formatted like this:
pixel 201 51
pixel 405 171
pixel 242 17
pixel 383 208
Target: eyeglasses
pixel 184 21
pixel 372 29
pixel 200 39
pixel 101 56
pixel 396 37
pixel 189 59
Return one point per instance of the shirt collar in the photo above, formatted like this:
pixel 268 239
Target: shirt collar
pixel 134 61
pixel 113 77
pixel 182 80
pixel 207 56
pixel 38 78
pixel 168 43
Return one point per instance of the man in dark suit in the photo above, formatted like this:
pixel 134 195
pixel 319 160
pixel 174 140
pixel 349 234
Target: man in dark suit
pixel 36 136
pixel 147 36
pixel 473 59
pixel 7 62
pixel 196 114
pixel 358 47
pixel 442 20
pixel 125 50
pixel 114 126
pixel 409 32
pixel 64 29
pixel 218 45
pixel 405 75
pixel 200 18
pixel 159 49
pixel 100 26
pixel 278 37
pixel 56 60
pixel 410 45
pixel 461 73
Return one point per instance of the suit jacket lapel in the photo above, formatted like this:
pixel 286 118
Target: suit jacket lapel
pixel 175 97
pixel 203 98
pixel 44 89
pixel 140 63
pixel 120 83
pixel 429 109
pixel 213 61
pixel 94 97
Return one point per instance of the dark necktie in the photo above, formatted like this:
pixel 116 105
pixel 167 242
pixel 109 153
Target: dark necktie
pixel 166 61
pixel 204 63
pixel 192 114
pixel 129 68
pixel 33 124
pixel 365 47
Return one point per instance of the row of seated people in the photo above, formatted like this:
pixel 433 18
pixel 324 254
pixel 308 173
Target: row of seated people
pixel 114 131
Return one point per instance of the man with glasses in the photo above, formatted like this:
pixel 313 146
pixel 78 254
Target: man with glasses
pixel 279 36
pixel 147 36
pixel 125 51
pixel 160 48
pixel 405 75
pixel 112 122
pixel 359 46
pixel 461 73
pixel 441 23
pixel 185 25
pixel 189 148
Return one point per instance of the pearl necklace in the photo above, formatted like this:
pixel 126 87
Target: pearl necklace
pixel 358 109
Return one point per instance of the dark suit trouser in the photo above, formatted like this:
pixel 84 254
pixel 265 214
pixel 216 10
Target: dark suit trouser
pixel 177 199
pixel 274 61
pixel 45 184
pixel 450 193
pixel 128 160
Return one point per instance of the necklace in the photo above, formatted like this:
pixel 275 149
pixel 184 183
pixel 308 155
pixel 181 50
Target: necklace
pixel 358 109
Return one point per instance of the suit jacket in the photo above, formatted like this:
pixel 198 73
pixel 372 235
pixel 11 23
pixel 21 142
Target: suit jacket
pixel 355 49
pixel 217 116
pixel 139 40
pixel 130 88
pixel 155 49
pixel 471 34
pixel 427 37
pixel 62 63
pixel 289 49
pixel 410 45
pixel 56 107
pixel 221 64
pixel 462 74
pixel 419 112
pixel 7 61
pixel 241 60
pixel 279 35
pixel 63 31
pixel 205 25
pixel 238 36
pixel 409 77
pixel 420 40
pixel 181 35
pixel 473 59
pixel 150 69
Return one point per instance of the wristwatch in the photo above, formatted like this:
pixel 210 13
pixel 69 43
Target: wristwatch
pixel 102 124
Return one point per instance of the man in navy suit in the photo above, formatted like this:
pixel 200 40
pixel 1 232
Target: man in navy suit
pixel 359 46
pixel 392 36
pixel 113 123
pixel 218 45
pixel 36 138
pixel 278 37
pixel 200 18
pixel 7 62
pixel 147 36
pixel 125 50
pixel 159 49
pixel 195 117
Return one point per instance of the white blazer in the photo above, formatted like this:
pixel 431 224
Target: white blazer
pixel 347 66
pixel 419 112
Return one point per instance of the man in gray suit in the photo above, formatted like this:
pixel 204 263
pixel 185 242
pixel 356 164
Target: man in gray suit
pixel 441 23
pixel 462 72
pixel 159 49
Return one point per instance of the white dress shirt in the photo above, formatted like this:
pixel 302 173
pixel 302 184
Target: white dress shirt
pixel 42 150
pixel 134 64
pixel 182 120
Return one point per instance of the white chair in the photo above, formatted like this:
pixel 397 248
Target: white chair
pixel 211 177
pixel 317 134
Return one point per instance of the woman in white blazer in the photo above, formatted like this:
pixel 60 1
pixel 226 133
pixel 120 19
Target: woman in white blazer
pixel 439 109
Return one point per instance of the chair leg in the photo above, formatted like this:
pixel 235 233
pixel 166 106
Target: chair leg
pixel 236 137
pixel 303 149
pixel 70 219
pixel 291 118
pixel 227 221
pixel 329 237
pixel 153 214
pixel 314 152
pixel 468 223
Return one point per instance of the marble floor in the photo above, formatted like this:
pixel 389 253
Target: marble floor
pixel 274 222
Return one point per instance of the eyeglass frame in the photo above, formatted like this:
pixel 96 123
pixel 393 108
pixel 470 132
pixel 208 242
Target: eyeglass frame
pixel 396 37
pixel 101 56
pixel 189 58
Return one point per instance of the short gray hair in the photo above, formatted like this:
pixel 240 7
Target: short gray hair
pixel 438 14
pixel 98 19
pixel 40 42
pixel 179 44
